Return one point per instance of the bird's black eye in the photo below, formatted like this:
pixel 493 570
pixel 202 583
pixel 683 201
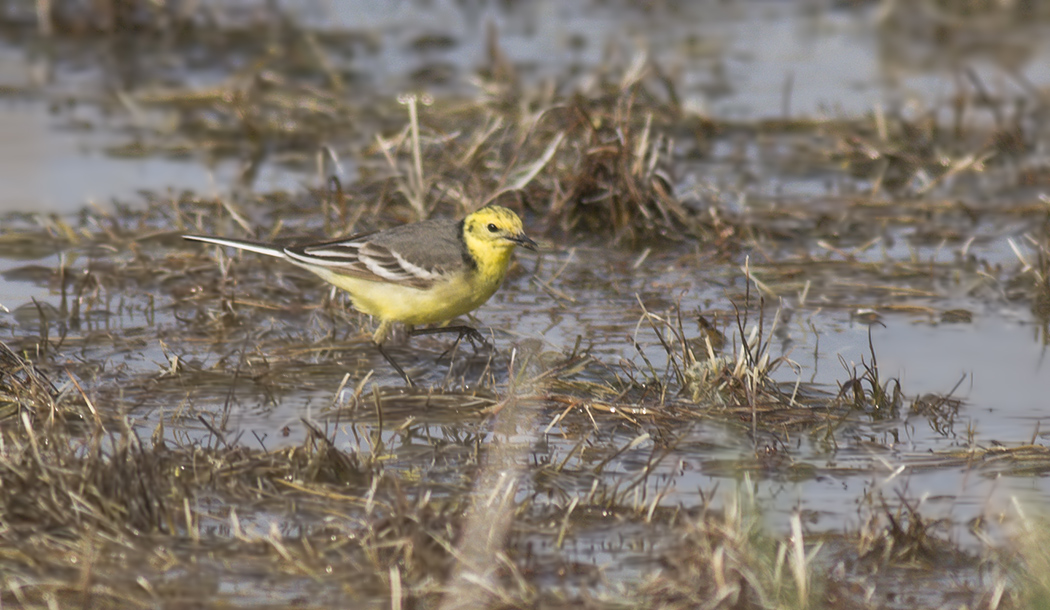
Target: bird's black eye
pixel 493 228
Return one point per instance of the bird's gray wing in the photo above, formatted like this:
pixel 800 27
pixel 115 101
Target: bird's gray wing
pixel 414 255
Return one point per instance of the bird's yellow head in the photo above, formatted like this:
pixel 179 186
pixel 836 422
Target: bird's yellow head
pixel 494 228
pixel 490 235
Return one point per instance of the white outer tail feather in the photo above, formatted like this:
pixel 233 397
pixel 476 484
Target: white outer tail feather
pixel 239 244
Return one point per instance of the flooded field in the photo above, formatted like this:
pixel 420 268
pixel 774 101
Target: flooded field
pixel 783 344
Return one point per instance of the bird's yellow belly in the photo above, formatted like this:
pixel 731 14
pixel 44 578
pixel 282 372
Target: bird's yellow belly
pixel 408 305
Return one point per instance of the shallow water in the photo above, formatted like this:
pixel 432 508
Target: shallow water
pixel 813 61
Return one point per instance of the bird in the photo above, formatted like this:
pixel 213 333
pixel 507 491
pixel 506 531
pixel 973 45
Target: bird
pixel 421 273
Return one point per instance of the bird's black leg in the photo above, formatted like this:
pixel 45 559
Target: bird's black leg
pixel 393 363
pixel 471 334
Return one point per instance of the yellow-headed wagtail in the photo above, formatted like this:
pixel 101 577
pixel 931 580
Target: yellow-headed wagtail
pixel 422 273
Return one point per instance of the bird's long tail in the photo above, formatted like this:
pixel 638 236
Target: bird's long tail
pixel 240 244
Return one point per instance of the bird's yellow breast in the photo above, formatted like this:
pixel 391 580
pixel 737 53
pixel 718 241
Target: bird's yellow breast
pixel 456 295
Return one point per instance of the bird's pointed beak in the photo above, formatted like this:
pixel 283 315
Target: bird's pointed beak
pixel 524 241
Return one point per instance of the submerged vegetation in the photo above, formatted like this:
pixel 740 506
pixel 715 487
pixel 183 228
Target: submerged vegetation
pixel 181 428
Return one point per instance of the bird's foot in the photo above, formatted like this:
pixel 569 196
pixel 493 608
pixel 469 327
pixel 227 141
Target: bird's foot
pixel 393 363
pixel 476 339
